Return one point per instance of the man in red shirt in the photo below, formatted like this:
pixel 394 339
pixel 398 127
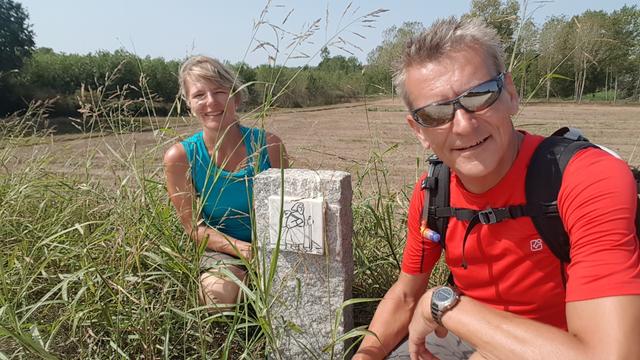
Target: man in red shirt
pixel 510 301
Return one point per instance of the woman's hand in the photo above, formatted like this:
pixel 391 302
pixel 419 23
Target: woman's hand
pixel 243 250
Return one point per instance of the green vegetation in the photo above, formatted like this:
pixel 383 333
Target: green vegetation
pixel 16 45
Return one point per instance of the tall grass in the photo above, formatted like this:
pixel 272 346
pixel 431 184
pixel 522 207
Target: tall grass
pixel 98 270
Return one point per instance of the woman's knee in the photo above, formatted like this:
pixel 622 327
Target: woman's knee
pixel 218 289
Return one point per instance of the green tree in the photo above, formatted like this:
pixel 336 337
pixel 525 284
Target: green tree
pixel 502 16
pixel 16 45
pixel 623 54
pixel 524 59
pixel 247 75
pixel 552 50
pixel 591 43
pixel 16 36
pixel 324 53
pixel 381 58
pixel 340 63
pixel 161 77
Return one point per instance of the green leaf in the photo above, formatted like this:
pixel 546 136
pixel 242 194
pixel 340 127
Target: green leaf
pixel 294 327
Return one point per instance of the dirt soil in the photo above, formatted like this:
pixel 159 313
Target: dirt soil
pixel 341 137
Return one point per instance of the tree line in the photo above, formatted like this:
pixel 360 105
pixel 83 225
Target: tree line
pixel 69 78
pixel 594 55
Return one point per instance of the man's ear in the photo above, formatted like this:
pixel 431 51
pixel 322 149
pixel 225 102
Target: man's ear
pixel 510 88
pixel 418 130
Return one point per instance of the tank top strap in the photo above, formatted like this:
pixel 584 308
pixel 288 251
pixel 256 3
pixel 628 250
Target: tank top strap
pixel 197 157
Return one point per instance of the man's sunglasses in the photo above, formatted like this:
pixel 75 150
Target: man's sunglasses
pixel 475 99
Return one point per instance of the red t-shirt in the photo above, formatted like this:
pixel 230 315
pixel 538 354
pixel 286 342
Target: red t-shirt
pixel 511 269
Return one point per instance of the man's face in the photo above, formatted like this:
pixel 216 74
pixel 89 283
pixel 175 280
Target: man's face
pixel 481 146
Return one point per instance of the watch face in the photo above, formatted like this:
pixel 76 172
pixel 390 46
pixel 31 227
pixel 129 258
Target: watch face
pixel 443 294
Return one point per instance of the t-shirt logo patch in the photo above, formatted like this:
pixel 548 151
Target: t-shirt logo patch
pixel 536 244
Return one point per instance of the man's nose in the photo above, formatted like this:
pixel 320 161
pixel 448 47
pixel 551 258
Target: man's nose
pixel 463 120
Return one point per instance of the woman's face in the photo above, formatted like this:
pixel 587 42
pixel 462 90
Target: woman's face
pixel 210 103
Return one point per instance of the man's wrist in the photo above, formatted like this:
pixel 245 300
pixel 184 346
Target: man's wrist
pixel 424 306
pixel 442 300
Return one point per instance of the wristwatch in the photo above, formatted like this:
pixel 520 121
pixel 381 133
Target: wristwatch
pixel 443 299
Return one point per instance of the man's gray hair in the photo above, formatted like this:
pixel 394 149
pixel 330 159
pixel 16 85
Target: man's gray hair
pixel 204 68
pixel 443 37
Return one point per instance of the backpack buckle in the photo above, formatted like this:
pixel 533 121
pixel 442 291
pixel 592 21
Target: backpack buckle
pixel 430 183
pixel 487 216
pixel 433 159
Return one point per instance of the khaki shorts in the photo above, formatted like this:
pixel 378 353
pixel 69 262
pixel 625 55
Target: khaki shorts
pixel 211 260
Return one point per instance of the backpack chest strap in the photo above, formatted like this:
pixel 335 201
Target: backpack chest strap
pixel 487 216
pixel 475 217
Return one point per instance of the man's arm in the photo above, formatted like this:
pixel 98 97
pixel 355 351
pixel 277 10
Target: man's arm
pixel 391 319
pixel 603 328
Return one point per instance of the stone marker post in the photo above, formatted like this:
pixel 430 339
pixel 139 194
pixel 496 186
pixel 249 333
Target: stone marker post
pixel 313 226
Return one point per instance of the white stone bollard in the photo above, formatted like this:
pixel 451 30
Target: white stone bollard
pixel 314 272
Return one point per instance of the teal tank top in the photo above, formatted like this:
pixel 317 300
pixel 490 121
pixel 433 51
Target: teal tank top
pixel 227 196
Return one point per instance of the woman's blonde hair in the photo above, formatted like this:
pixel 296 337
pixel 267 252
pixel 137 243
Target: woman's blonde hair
pixel 204 68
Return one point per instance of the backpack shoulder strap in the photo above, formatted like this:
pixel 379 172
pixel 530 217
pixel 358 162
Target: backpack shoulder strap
pixel 638 210
pixel 636 175
pixel 542 185
pixel 436 196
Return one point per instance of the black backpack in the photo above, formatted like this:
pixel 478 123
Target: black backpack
pixel 542 185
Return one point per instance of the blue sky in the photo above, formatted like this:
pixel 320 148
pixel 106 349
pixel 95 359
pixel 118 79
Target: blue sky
pixel 223 29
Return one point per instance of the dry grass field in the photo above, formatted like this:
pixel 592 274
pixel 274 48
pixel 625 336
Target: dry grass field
pixel 341 137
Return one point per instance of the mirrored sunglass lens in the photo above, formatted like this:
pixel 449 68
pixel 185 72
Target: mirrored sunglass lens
pixel 435 115
pixel 480 97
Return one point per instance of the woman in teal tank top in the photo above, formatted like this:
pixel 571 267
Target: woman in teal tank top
pixel 214 170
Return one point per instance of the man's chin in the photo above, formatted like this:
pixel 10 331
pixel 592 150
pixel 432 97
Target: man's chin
pixel 473 170
pixel 472 167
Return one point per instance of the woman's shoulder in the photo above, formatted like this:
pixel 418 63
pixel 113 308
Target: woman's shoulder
pixel 276 151
pixel 258 132
pixel 272 138
pixel 183 150
pixel 175 153
pixel 270 142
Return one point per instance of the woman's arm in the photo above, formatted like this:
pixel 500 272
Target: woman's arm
pixel 181 193
pixel 277 153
